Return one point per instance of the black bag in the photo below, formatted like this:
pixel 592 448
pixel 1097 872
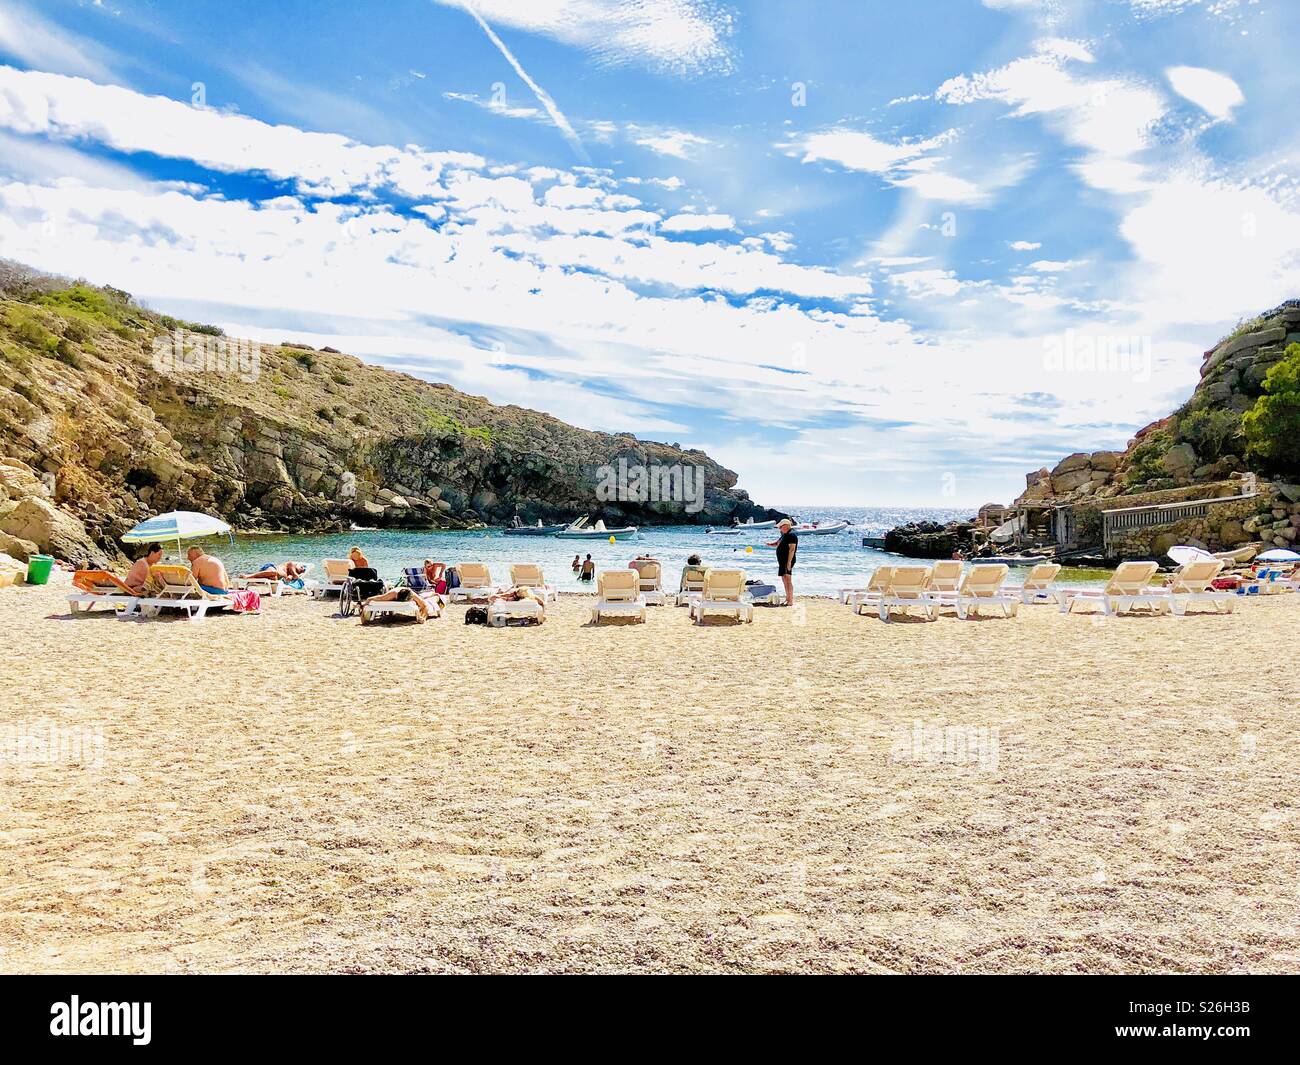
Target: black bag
pixel 476 615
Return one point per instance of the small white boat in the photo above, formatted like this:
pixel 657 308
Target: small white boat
pixel 750 523
pixel 821 528
pixel 579 530
pixel 733 531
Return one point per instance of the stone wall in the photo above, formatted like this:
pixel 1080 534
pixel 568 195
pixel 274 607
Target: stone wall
pixel 1268 519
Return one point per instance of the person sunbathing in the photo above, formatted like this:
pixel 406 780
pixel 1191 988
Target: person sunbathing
pixel 518 594
pixel 433 571
pixel 358 560
pixel 400 595
pixel 209 571
pixel 290 571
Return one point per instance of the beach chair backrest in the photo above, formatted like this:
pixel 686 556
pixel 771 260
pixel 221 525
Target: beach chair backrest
pixel 618 585
pixel 526 575
pixel 651 576
pixel 880 579
pixel 99 582
pixel 337 570
pixel 946 576
pixel 1196 576
pixel 986 579
pixel 693 578
pixel 724 584
pixel 474 575
pixel 174 581
pixel 1131 577
pixel 909 581
pixel 1041 576
pixel 415 578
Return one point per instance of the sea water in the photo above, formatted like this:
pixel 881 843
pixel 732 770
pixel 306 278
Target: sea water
pixel 825 563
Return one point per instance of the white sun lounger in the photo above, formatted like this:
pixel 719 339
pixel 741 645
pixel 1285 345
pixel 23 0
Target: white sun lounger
pixel 1191 584
pixel 908 589
pixel 1037 587
pixel 1126 590
pixel 651 581
pixel 981 587
pixel 529 575
pixel 475 582
pixel 692 584
pixel 432 602
pixel 336 574
pixel 724 593
pixel 502 612
pixel 100 588
pixel 860 598
pixel 618 591
pixel 174 588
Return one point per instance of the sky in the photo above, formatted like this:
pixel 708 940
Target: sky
pixel 860 252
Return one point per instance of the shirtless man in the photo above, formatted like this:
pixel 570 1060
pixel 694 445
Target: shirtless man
pixel 137 577
pixel 209 571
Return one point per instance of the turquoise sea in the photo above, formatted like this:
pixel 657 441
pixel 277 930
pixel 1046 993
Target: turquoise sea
pixel 825 563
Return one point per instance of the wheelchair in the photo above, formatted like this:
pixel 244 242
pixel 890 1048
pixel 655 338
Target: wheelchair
pixel 362 583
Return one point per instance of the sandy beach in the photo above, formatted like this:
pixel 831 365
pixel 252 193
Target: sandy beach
pixel 815 792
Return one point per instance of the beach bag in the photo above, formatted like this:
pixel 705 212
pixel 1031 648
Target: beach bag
pixel 440 586
pixel 476 615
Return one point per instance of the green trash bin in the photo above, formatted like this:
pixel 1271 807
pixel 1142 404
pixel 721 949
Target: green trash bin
pixel 38 568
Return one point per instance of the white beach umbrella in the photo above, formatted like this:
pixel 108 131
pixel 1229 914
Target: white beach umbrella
pixel 1185 553
pixel 1279 554
pixel 176 525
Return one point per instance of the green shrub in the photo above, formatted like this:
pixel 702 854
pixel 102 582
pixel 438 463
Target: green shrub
pixel 1214 432
pixel 1272 426
pixel 1145 463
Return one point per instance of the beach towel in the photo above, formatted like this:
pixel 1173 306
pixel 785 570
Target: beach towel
pixel 244 602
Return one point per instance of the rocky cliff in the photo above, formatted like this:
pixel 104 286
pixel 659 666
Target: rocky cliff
pixel 1203 449
pixel 111 412
pixel 1203 441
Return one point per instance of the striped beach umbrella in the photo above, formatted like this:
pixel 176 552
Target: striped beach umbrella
pixel 176 525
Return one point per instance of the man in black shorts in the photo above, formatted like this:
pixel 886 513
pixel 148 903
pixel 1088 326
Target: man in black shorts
pixel 786 548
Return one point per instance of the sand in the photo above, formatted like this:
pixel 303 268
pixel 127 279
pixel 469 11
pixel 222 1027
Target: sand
pixel 294 792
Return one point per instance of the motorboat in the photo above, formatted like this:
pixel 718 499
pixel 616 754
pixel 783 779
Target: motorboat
pixel 750 523
pixel 733 531
pixel 580 530
pixel 821 528
pixel 539 529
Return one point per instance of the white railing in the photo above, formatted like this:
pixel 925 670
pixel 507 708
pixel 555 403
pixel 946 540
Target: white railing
pixel 1126 518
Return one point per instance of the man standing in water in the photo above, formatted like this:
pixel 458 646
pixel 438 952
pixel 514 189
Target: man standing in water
pixel 786 548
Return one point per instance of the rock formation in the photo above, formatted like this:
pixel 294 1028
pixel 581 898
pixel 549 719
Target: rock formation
pixel 111 413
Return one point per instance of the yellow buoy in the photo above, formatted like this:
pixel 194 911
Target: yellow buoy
pixel 611 540
pixel 749 550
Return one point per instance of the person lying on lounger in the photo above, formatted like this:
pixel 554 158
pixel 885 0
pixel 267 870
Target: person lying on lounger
pixel 137 577
pixel 518 594
pixel 290 571
pixel 401 595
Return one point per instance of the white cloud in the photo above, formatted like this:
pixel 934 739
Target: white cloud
pixel 1054 266
pixel 674 142
pixel 1025 245
pixel 696 223
pixel 672 36
pixel 38 43
pixel 1214 93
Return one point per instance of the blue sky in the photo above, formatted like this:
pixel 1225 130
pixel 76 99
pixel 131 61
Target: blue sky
pixel 841 246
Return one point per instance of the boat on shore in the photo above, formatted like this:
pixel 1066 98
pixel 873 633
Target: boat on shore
pixel 580 530
pixel 535 530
